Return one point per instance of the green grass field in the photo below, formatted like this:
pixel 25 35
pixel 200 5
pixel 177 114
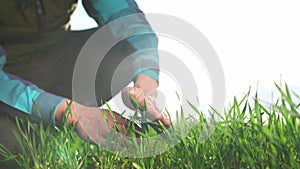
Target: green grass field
pixel 247 136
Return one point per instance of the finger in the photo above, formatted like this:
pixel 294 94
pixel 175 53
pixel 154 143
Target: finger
pixel 164 119
pixel 115 121
pixel 137 92
pixel 129 88
pixel 108 117
pixel 121 123
pixel 134 96
pixel 131 91
pixel 156 114
pixel 125 124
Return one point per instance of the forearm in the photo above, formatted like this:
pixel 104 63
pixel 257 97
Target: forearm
pixel 27 97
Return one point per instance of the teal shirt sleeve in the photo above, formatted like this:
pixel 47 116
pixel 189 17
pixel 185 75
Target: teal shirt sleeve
pixel 26 97
pixel 145 43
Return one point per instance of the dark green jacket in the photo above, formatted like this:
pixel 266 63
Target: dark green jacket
pixel 30 25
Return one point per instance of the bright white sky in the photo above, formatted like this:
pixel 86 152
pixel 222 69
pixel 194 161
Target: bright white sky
pixel 257 41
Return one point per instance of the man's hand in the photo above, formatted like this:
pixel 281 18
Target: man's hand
pixel 144 91
pixel 148 98
pixel 96 125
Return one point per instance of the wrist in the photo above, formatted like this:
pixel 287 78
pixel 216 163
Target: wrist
pixel 146 83
pixel 62 109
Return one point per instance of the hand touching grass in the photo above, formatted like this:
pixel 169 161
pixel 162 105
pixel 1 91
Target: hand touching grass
pixel 147 101
pixel 145 93
pixel 98 126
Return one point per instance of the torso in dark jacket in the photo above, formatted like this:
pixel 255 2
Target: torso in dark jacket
pixel 30 26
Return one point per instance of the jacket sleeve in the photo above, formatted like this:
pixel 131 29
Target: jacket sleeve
pixel 20 95
pixel 145 41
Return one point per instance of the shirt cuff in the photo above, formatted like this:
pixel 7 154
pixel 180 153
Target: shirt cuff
pixel 45 107
pixel 152 73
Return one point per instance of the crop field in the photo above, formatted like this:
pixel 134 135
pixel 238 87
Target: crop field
pixel 246 136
